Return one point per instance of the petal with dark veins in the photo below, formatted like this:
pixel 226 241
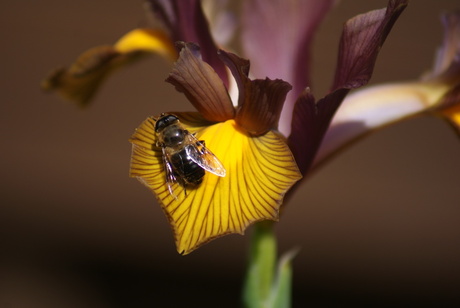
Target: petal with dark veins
pixel 259 171
pixel 201 84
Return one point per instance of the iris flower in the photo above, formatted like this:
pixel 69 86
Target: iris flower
pixel 260 167
pixel 273 96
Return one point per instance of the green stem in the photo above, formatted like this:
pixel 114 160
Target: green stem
pixel 261 267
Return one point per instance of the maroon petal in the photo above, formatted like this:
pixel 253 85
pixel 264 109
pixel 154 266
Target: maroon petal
pixel 186 22
pixel 202 86
pixel 309 124
pixel 240 71
pixel 259 101
pixel 362 38
pixel 361 41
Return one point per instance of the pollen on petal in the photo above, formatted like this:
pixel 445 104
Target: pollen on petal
pixel 259 172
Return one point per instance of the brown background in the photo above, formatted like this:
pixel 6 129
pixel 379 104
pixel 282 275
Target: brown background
pixel 379 225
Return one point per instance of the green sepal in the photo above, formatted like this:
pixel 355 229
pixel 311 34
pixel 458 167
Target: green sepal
pixel 281 293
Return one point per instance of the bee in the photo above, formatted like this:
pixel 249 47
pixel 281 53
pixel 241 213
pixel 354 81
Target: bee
pixel 185 158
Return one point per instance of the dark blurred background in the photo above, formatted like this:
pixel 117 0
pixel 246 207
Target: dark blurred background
pixel 378 226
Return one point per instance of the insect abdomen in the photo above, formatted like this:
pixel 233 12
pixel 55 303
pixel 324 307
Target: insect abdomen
pixel 186 168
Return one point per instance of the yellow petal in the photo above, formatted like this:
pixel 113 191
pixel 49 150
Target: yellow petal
pixel 82 79
pixel 259 172
pixel 147 40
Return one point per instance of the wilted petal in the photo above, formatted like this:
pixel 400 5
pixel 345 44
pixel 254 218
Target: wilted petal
pixel 186 22
pixel 81 80
pixel 259 101
pixel 361 41
pixel 259 172
pixel 202 86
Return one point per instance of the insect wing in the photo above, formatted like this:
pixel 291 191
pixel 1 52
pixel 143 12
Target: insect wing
pixel 204 157
pixel 170 177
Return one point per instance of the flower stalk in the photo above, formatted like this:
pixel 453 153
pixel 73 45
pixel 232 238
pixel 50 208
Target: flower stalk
pixel 267 285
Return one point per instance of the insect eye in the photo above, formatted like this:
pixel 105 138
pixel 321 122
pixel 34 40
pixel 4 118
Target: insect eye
pixel 164 121
pixel 170 119
pixel 159 125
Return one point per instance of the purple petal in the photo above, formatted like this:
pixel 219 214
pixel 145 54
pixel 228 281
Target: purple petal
pixel 447 63
pixel 276 37
pixel 202 86
pixel 259 101
pixel 362 38
pixel 361 41
pixel 186 22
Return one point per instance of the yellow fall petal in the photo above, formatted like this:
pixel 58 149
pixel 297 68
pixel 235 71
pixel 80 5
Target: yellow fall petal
pixel 259 172
pixel 148 40
pixel 81 80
